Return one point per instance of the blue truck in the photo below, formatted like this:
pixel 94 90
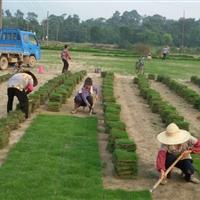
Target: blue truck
pixel 18 46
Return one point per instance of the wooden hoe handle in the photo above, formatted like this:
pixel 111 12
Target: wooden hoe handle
pixel 167 172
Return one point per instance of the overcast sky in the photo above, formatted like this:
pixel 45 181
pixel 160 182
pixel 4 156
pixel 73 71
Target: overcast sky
pixel 173 9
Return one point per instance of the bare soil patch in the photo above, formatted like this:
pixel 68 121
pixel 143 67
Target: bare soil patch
pixel 186 110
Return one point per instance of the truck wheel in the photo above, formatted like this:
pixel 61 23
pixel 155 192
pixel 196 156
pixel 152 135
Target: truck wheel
pixel 32 61
pixel 3 62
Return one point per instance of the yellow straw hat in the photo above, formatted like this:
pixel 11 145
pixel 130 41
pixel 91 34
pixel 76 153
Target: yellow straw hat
pixel 173 135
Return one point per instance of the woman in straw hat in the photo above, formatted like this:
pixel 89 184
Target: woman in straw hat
pixel 174 142
pixel 20 85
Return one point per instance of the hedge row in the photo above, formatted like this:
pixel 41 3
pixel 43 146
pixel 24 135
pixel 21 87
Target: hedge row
pixel 5 77
pixel 122 148
pixel 167 112
pixel 188 94
pixel 195 80
pixel 61 93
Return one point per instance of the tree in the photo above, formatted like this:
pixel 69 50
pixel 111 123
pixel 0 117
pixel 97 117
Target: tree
pixel 167 38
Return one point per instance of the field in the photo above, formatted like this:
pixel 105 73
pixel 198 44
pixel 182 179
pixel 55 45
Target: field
pixel 54 147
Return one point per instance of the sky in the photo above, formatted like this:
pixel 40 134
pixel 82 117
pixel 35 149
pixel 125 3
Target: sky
pixel 87 9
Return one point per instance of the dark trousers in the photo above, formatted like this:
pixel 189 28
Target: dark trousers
pixel 65 66
pixel 184 165
pixel 79 101
pixel 164 56
pixel 21 96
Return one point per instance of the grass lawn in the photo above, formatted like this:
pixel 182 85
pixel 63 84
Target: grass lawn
pixel 182 69
pixel 58 158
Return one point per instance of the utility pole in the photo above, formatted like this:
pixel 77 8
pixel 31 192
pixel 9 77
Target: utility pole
pixel 183 30
pixel 47 36
pixel 1 14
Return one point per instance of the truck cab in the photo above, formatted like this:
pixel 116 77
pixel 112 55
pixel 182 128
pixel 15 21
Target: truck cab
pixel 18 46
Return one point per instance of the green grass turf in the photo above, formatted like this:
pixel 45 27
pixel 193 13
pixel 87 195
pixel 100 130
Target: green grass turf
pixel 182 69
pixel 58 159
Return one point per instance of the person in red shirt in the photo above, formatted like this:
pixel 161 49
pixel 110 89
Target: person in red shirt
pixel 176 142
pixel 65 56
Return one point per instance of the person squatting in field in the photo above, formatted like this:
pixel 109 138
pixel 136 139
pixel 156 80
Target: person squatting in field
pixel 85 96
pixel 176 142
pixel 20 85
pixel 65 56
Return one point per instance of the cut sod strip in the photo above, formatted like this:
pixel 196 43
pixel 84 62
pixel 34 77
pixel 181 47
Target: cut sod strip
pixel 58 158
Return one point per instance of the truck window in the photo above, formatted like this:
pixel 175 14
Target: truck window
pixel 9 36
pixel 32 39
pixel 25 38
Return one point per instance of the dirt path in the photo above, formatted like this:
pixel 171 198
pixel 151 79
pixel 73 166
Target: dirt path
pixel 187 111
pixel 142 126
pixel 191 85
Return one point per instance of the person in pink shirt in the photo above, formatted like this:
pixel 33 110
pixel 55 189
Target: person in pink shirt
pixel 19 85
pixel 65 56
pixel 176 142
pixel 85 96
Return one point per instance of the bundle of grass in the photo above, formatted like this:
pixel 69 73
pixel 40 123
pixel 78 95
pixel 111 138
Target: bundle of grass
pixel 125 164
pixel 17 114
pixel 113 110
pixel 12 123
pixel 103 74
pixel 135 80
pixel 55 97
pixel 111 117
pixel 114 124
pixel 4 137
pixel 115 134
pixel 151 76
pixel 53 106
pixel 125 144
pixel 111 105
pixel 35 101
pixel 5 77
pixel 64 94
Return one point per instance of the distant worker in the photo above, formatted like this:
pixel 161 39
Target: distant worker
pixel 139 66
pixel 86 96
pixel 165 52
pixel 19 85
pixel 65 56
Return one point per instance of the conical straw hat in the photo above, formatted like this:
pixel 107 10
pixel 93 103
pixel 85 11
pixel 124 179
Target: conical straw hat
pixel 173 135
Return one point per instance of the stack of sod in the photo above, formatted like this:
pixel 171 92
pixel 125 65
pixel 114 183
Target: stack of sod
pixel 167 112
pixel 9 123
pixel 125 163
pixel 151 76
pixel 5 77
pixel 114 135
pixel 124 157
pixel 58 97
pixel 195 80
pixel 188 94
pixel 125 144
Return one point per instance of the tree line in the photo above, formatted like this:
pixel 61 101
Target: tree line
pixel 123 29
